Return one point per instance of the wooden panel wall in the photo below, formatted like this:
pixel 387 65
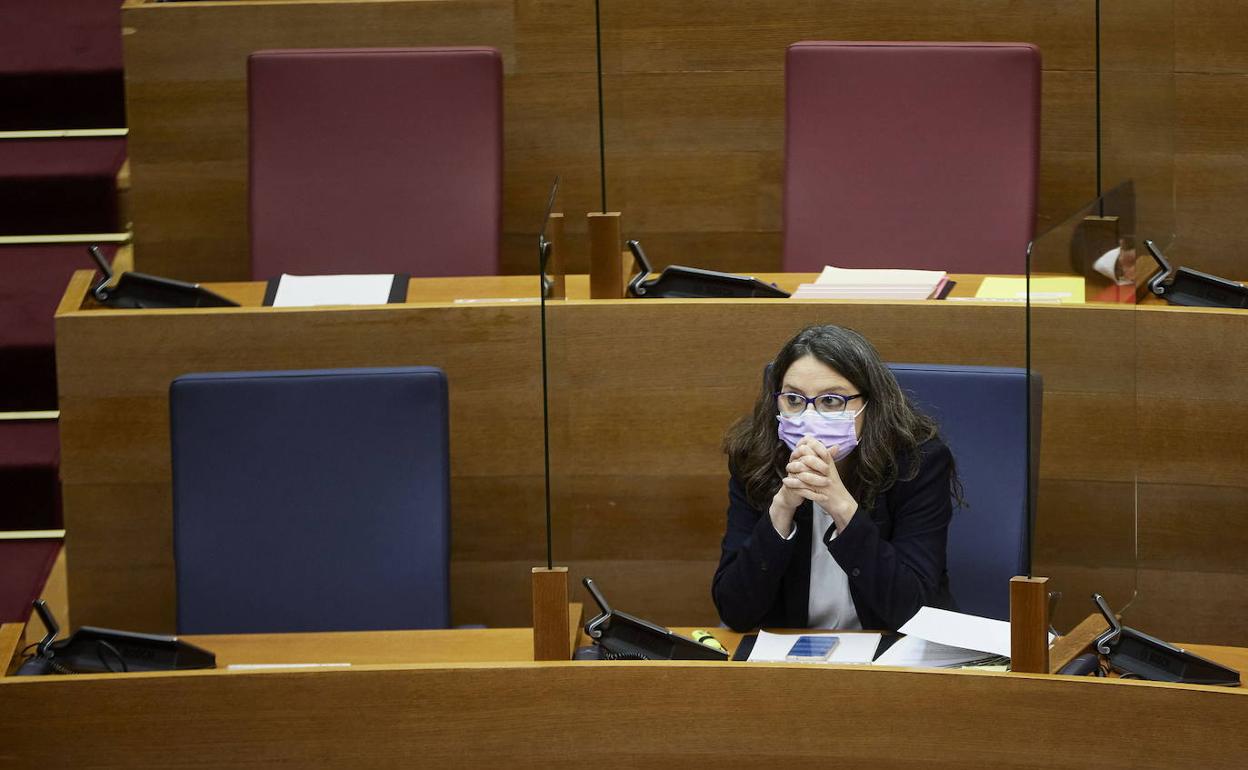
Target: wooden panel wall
pixel 694 99
pixel 1174 103
pixel 1138 109
pixel 1193 498
pixel 1211 106
pixel 186 98
pixel 641 394
pixel 114 369
pixel 1175 100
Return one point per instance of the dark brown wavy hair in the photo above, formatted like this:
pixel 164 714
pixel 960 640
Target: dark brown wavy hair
pixel 891 432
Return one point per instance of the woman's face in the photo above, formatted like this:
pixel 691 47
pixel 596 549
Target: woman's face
pixel 812 377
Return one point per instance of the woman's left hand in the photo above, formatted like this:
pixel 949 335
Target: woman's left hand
pixel 812 475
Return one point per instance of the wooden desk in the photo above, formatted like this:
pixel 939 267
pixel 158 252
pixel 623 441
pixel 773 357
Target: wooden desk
pixel 693 120
pixel 638 487
pixel 501 645
pixel 396 706
pixel 114 371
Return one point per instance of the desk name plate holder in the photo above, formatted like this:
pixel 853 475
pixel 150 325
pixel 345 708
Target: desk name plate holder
pixel 607 268
pixel 552 639
pixel 1029 625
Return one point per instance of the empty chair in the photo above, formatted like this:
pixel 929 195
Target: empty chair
pixel 376 161
pixel 982 412
pixel 911 155
pixel 311 500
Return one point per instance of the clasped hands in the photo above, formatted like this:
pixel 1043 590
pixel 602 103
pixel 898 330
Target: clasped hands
pixel 811 474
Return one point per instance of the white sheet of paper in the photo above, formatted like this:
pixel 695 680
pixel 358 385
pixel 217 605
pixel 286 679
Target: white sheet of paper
pixel 878 276
pixel 312 290
pixel 915 652
pixel 854 647
pixel 955 629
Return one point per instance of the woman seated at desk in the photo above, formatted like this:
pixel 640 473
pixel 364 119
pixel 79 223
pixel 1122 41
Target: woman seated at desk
pixel 839 499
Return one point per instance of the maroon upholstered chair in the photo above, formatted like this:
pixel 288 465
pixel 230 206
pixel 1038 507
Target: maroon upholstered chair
pixel 916 155
pixel 376 161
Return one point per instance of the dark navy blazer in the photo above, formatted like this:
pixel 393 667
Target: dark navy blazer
pixel 894 554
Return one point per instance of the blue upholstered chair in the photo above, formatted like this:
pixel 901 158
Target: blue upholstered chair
pixel 982 414
pixel 311 500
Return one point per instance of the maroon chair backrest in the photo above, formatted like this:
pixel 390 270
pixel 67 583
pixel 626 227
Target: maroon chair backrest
pixel 376 161
pixel 911 155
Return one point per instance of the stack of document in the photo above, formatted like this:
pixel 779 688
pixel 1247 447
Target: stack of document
pixel 941 638
pixel 932 639
pixel 843 283
pixel 314 290
pixel 915 652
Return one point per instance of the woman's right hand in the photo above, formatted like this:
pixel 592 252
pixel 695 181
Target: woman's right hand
pixel 784 506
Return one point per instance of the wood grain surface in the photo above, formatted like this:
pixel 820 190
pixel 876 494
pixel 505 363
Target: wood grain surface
pixel 640 394
pixel 114 370
pixel 640 397
pixel 1077 642
pixel 1029 625
pixel 11 635
pixel 551 620
pixel 187 112
pixel 506 645
pixel 634 713
pixel 694 101
pixel 694 113
pixel 1174 100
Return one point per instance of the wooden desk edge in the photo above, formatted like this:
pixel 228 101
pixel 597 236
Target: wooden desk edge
pixel 675 665
pixel 11 635
pixel 77 300
pixel 576 614
pixel 1075 643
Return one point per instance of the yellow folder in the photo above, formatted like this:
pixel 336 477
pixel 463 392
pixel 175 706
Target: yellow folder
pixel 1062 289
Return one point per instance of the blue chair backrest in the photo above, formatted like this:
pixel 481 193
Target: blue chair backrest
pixel 311 500
pixel 982 415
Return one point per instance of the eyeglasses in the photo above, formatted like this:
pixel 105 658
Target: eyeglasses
pixel 826 404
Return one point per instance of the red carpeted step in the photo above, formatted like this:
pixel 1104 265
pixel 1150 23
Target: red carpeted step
pixel 60 36
pixel 59 185
pixel 30 490
pixel 32 282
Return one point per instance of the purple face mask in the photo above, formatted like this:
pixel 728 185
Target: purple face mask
pixel 836 433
